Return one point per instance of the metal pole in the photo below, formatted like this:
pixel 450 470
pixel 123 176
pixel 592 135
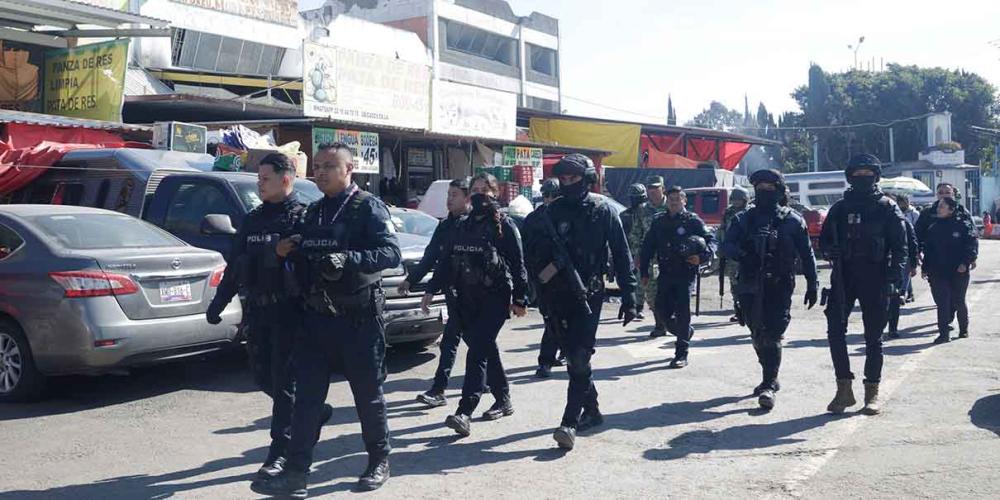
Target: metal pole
pixel 815 154
pixel 892 147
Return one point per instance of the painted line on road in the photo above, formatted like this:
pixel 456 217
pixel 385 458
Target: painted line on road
pixel 811 465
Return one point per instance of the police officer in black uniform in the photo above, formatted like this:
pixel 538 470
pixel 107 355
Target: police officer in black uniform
pixel 766 241
pixel 547 355
pixel 864 237
pixel 568 243
pixel 681 242
pixel 482 268
pixel 255 269
pixel 342 244
pixel 458 207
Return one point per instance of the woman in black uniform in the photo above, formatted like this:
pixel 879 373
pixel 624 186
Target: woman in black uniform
pixel 950 252
pixel 483 266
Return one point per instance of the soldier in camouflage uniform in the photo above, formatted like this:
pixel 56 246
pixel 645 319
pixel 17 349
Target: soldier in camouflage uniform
pixel 636 197
pixel 642 220
pixel 738 199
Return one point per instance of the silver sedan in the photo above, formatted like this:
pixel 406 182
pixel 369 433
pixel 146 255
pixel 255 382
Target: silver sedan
pixel 84 290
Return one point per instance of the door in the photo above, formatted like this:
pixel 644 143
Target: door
pixel 188 205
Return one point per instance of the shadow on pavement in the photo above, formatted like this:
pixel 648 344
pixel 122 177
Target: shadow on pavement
pixel 985 413
pixel 668 414
pixel 69 394
pixel 743 437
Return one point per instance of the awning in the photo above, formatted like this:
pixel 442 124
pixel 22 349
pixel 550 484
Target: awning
pixel 50 22
pixel 26 118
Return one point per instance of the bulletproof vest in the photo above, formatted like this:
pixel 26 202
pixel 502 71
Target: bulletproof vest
pixel 772 240
pixel 261 270
pixel 863 227
pixel 319 237
pixel 582 228
pixel 671 232
pixel 476 265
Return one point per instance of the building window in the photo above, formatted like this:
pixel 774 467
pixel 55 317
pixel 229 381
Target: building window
pixel 543 104
pixel 471 40
pixel 543 60
pixel 205 51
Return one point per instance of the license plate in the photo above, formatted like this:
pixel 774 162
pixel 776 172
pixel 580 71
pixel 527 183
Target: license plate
pixel 175 292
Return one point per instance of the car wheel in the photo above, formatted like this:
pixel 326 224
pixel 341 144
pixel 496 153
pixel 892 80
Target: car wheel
pixel 19 379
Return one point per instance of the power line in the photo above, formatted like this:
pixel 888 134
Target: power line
pixel 839 127
pixel 605 106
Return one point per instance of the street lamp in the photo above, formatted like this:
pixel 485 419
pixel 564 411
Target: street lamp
pixel 855 48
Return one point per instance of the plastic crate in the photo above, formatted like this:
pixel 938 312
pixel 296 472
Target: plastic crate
pixel 503 174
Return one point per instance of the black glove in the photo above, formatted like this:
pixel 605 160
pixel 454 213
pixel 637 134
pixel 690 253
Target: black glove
pixel 213 314
pixel 627 314
pixel 810 296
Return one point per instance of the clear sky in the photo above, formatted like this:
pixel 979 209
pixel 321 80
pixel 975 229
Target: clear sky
pixel 630 54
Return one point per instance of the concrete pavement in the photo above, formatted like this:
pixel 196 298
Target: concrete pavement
pixel 199 429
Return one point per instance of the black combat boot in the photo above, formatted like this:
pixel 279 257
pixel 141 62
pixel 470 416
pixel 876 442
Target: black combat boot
pixel 460 423
pixel 375 475
pixel 289 483
pixel 590 419
pixel 500 409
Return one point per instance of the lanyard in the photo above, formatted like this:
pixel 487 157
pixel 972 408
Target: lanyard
pixel 336 215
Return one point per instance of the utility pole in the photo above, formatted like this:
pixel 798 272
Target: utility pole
pixel 855 48
pixel 892 147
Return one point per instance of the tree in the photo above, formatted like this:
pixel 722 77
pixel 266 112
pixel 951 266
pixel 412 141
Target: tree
pixel 717 117
pixel 671 114
pixel 900 92
pixel 765 121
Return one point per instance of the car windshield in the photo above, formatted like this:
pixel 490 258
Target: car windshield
pixel 413 222
pixel 98 230
pixel 247 189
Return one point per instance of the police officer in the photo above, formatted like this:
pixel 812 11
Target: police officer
pixel 342 244
pixel 906 289
pixel 483 270
pixel 766 241
pixel 950 254
pixel 738 201
pixel 271 312
pixel 642 220
pixel 864 237
pixel 458 207
pixel 636 198
pixel 547 358
pixel 568 243
pixel 930 214
pixel 679 241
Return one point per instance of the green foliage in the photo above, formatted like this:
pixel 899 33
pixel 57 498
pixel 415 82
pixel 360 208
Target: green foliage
pixel 856 97
pixel 717 117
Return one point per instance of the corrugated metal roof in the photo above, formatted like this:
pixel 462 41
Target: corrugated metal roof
pixel 65 121
pixel 138 81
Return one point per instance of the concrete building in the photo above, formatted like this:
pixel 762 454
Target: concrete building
pixel 475 42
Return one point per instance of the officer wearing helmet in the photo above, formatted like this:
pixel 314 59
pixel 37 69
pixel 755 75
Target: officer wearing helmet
pixel 865 238
pixel 738 201
pixel 636 199
pixel 550 190
pixel 765 241
pixel 669 244
pixel 567 244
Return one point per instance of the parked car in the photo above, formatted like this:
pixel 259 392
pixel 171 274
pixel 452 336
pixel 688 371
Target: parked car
pixel 88 291
pixel 179 192
pixel 407 220
pixel 977 221
pixel 814 217
pixel 435 200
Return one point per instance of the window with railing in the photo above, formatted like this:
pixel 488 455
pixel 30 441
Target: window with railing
pixel 478 42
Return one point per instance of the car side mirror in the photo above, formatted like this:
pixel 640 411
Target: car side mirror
pixel 217 224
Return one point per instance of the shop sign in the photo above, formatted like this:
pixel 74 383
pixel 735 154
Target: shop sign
pixel 348 85
pixel 467 110
pixel 364 145
pixel 86 81
pixel 523 156
pixel 420 157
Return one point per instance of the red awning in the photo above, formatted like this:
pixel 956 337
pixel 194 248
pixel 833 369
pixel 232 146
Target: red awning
pixel 682 151
pixel 26 150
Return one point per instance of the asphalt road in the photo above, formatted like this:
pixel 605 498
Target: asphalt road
pixel 198 429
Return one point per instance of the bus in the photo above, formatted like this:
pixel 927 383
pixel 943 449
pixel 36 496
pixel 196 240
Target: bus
pixel 817 189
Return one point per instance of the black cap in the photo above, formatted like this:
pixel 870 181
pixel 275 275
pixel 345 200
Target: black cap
pixel 767 175
pixel 574 164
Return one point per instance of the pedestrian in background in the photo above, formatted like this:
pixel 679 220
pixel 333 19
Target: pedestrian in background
pixel 905 292
pixel 547 355
pixel 950 253
pixel 641 222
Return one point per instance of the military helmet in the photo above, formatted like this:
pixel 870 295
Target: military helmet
pixel 739 193
pixel 550 187
pixel 864 161
pixel 692 245
pixel 575 164
pixel 637 191
pixel 768 175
